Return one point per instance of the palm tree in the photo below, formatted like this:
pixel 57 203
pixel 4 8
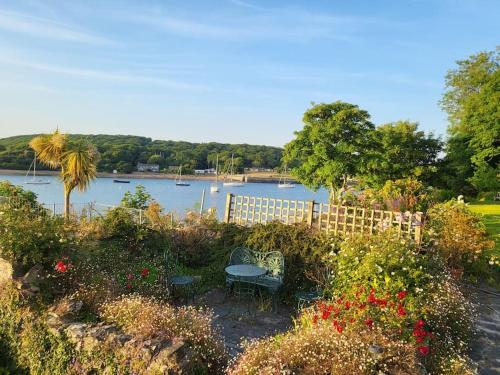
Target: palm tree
pixel 77 161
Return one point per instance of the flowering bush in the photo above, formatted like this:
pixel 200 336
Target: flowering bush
pixel 320 349
pixel 148 318
pixel 28 237
pixel 457 234
pixel 383 283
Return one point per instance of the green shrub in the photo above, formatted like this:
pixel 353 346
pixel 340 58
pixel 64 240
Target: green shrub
pixel 28 237
pixel 457 234
pixel 17 193
pixel 302 247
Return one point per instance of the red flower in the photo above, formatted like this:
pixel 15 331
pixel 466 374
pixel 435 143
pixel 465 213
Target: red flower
pixel 337 326
pixel 315 319
pixel 419 323
pixel 419 332
pixel 424 349
pixel 371 297
pixel 420 339
pixel 369 323
pixel 352 320
pixel 129 286
pixel 381 302
pixel 401 310
pixel 339 301
pixel 130 277
pixel 61 267
pixel 145 272
pixel 347 305
pixel 402 294
pixel 325 314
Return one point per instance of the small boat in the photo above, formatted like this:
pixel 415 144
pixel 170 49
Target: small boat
pixel 178 179
pixel 116 181
pixel 215 187
pixel 232 181
pixel 283 184
pixel 34 180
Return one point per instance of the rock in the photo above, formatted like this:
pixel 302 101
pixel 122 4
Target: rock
pixel 6 271
pixel 75 331
pixel 34 275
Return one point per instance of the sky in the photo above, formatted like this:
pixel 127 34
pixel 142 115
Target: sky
pixel 236 71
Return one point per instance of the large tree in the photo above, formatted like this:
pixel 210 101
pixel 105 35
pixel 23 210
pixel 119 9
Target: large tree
pixel 76 160
pixel 472 101
pixel 402 151
pixel 333 145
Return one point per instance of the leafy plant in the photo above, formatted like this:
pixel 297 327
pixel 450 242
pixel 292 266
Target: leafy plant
pixel 457 234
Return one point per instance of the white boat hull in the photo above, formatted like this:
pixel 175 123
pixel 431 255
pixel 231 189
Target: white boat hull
pixel 214 189
pixel 41 182
pixel 234 184
pixel 286 186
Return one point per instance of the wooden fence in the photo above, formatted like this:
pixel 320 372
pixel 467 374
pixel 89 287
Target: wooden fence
pixel 331 218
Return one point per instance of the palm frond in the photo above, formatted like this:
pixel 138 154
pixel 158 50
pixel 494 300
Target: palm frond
pixel 79 165
pixel 49 148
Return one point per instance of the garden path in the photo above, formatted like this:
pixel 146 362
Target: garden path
pixel 486 344
pixel 236 324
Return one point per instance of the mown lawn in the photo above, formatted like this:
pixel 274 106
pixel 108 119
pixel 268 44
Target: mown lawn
pixel 491 218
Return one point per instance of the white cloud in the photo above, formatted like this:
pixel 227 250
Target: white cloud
pixel 45 28
pixel 105 76
pixel 266 24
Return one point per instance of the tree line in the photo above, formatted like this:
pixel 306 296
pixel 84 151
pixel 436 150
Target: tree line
pixel 123 152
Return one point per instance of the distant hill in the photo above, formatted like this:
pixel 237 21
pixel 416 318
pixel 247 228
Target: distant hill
pixel 123 152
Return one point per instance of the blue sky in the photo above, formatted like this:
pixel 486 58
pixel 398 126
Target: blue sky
pixel 239 71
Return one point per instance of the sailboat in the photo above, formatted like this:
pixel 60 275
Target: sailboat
pixel 283 184
pixel 34 180
pixel 215 187
pixel 232 181
pixel 178 179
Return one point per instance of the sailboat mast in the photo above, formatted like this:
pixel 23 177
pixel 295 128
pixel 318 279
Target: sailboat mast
pixel 217 170
pixel 34 167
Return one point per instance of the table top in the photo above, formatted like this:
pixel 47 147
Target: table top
pixel 245 270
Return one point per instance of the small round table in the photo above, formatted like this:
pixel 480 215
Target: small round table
pixel 243 275
pixel 245 271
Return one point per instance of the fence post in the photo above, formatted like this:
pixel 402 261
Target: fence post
pixel 310 212
pixel 53 209
pixel 418 227
pixel 227 214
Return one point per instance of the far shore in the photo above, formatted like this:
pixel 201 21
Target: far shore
pixel 251 177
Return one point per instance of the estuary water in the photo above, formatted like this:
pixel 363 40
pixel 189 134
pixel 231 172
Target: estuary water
pixel 178 199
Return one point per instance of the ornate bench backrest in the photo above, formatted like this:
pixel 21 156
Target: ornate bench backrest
pixel 273 261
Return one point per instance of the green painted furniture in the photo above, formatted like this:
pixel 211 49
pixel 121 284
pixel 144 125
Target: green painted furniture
pixel 175 281
pixel 272 261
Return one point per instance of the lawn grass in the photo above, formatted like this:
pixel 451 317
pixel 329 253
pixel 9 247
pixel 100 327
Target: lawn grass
pixel 490 211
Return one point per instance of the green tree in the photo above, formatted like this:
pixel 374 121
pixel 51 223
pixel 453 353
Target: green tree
pixel 402 151
pixel 472 101
pixel 141 199
pixel 77 161
pixel 337 139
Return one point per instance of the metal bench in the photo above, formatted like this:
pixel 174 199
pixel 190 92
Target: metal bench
pixel 272 261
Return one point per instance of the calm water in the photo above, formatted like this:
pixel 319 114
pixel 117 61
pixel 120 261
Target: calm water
pixel 171 197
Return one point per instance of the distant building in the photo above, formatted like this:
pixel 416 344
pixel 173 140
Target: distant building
pixel 258 169
pixel 205 171
pixel 143 167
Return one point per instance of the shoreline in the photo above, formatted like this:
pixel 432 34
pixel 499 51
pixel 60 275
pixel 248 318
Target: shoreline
pixel 255 177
